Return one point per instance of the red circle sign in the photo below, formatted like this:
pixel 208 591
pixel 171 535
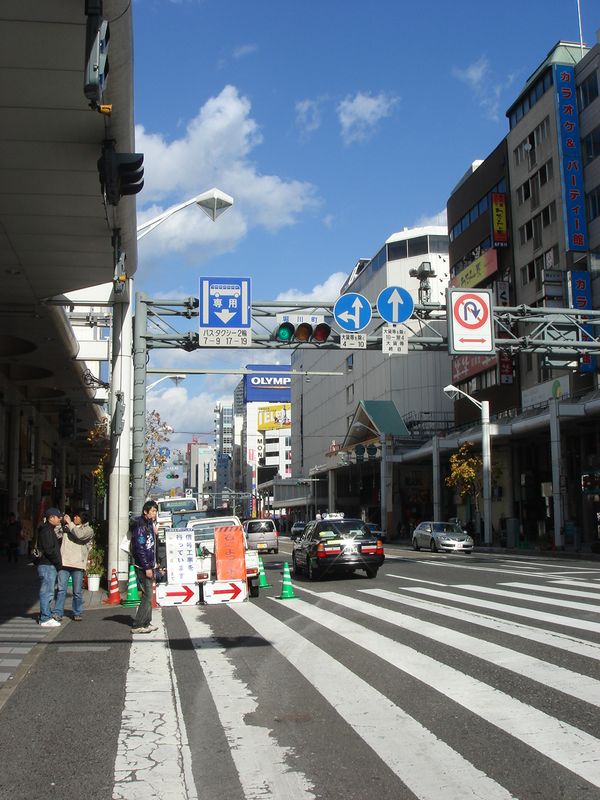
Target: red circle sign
pixel 475 308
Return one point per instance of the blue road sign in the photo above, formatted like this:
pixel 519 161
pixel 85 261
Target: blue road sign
pixel 352 312
pixel 164 451
pixel 225 303
pixel 395 304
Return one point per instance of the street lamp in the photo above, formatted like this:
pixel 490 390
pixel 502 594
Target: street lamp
pixel 214 203
pixel 484 406
pixel 175 378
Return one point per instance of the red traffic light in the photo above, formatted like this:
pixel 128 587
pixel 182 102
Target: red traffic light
pixel 303 332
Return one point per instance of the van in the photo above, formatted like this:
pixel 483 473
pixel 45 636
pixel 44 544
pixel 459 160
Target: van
pixel 262 535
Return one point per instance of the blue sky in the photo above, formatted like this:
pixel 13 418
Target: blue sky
pixel 332 124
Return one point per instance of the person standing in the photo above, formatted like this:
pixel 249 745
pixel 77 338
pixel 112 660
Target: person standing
pixel 143 553
pixel 48 565
pixel 74 550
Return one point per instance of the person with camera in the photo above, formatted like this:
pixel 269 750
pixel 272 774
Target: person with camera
pixel 77 535
pixel 48 561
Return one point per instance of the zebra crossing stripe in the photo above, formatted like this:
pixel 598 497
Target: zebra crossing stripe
pixel 559 640
pixel 552 590
pixel 516 611
pixel 263 767
pixel 375 718
pixel 568 746
pixel 559 678
pixel 549 601
pixel 582 584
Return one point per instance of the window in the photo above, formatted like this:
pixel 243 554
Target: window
pixel 350 393
pixel 591 146
pixel 593 203
pixel 588 90
pixel 418 246
pixel 438 244
pixel 350 363
pixel 396 250
pixel 530 99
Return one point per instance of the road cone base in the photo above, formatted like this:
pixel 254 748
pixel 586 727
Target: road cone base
pixel 288 597
pixel 130 603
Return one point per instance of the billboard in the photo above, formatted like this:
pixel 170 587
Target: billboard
pixel 477 270
pixel 275 417
pixel 268 384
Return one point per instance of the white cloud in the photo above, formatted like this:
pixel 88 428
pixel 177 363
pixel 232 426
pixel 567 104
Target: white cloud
pixel 244 50
pixel 434 219
pixel 326 292
pixel 214 150
pixel 486 89
pixel 359 115
pixel 308 116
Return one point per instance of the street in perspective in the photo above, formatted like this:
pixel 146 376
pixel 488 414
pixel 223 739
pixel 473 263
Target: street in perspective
pixel 449 676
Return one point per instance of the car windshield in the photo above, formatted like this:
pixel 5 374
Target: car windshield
pixel 346 529
pixel 204 531
pixel 256 526
pixel 446 527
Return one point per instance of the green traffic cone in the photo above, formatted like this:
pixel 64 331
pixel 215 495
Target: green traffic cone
pixel 133 596
pixel 262 578
pixel 287 590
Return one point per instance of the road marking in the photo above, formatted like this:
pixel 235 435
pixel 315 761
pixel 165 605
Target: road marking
pixel 376 719
pixel 553 590
pixel 263 767
pixel 563 680
pixel 549 601
pixel 153 756
pixel 517 611
pixel 482 569
pixel 582 584
pixel 559 640
pixel 418 580
pixel 572 748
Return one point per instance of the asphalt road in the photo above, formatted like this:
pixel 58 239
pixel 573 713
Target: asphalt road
pixel 447 677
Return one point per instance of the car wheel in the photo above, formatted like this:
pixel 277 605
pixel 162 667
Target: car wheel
pixel 310 570
pixel 372 572
pixel 295 565
pixel 415 544
pixel 433 545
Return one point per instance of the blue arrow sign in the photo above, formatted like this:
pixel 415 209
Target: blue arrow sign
pixel 225 303
pixel 395 304
pixel 352 312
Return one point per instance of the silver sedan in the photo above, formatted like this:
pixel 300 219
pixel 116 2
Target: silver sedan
pixel 447 536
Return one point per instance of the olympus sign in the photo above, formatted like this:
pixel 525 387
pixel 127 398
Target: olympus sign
pixel 270 380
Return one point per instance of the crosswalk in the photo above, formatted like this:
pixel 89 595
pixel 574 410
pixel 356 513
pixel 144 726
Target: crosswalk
pixel 18 636
pixel 446 689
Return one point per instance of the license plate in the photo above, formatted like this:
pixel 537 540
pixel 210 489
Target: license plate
pixel 262 546
pixel 350 549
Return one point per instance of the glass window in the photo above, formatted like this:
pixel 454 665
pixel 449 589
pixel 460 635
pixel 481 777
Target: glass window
pixel 418 246
pixel 473 214
pixel 350 393
pixel 397 250
pixel 593 203
pixel 350 362
pixel 588 90
pixel 483 204
pixel 591 146
pixel 438 244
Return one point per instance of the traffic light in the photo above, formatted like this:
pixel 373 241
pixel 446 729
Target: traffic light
pixel 288 332
pixel 66 423
pixel 97 38
pixel 120 173
pixel 172 475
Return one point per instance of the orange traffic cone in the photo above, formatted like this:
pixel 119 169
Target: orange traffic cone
pixel 114 598
pixel 154 600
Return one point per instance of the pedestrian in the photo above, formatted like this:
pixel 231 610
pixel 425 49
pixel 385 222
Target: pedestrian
pixel 143 553
pixel 74 550
pixel 12 534
pixel 48 564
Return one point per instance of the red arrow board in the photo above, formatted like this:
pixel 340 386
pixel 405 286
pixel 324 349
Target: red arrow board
pixel 225 591
pixel 177 594
pixel 234 591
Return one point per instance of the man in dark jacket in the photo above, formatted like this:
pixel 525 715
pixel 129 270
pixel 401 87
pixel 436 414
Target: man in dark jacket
pixel 48 565
pixel 143 553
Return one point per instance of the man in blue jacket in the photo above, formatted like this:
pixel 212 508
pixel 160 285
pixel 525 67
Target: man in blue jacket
pixel 143 553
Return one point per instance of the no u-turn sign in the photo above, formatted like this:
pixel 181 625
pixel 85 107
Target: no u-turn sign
pixel 470 328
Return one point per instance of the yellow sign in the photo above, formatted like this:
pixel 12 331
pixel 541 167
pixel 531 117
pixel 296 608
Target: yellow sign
pixel 477 270
pixel 275 417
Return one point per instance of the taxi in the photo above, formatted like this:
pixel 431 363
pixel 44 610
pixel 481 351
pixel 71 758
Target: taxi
pixel 335 544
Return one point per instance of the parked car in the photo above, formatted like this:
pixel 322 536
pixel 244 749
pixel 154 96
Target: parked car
pixel 337 545
pixel 297 530
pixel 447 536
pixel 376 530
pixel 262 535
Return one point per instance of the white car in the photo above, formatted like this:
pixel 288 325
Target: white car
pixel 447 536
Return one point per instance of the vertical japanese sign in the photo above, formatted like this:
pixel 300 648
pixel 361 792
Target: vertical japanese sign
pixel 181 556
pixel 499 224
pixel 580 297
pixel 570 158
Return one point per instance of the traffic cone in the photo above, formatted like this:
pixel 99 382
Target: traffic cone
pixel 287 590
pixel 133 595
pixel 262 578
pixel 114 598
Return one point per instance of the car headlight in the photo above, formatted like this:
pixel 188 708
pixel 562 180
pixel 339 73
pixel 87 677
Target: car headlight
pixel 443 538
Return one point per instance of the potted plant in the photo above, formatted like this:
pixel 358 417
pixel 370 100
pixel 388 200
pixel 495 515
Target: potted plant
pixel 95 567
